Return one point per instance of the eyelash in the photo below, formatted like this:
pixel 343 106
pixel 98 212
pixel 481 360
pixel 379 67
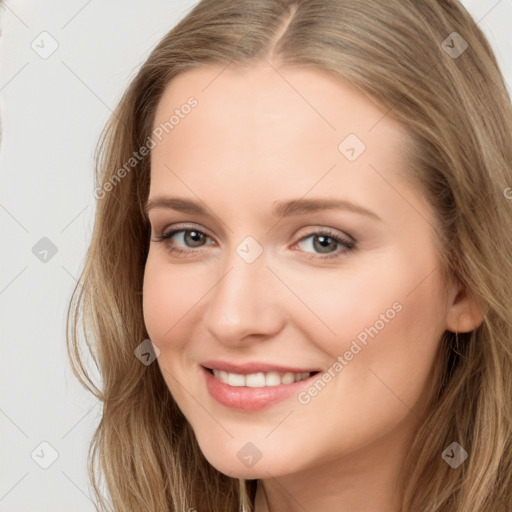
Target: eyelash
pixel 347 245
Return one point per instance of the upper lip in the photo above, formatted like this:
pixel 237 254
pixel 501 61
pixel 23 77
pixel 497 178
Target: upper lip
pixel 254 367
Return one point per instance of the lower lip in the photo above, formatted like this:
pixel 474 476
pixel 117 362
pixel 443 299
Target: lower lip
pixel 250 399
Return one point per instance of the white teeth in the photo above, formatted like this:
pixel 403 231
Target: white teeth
pixel 234 379
pixel 288 378
pixel 255 380
pixel 272 379
pixel 260 379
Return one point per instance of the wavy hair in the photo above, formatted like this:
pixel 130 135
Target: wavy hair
pixel 404 55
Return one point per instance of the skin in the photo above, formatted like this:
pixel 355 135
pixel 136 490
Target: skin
pixel 253 139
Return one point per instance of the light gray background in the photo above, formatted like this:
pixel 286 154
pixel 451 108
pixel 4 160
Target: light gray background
pixel 52 113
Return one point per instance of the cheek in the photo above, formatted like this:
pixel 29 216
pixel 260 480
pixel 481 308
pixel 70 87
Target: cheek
pixel 387 318
pixel 386 294
pixel 169 293
pixel 387 361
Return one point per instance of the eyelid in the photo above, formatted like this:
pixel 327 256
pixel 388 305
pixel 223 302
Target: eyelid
pixel 314 230
pixel 184 227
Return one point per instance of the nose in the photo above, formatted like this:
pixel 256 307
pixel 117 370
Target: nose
pixel 245 304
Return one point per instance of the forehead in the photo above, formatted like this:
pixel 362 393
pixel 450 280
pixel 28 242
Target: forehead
pixel 300 100
pixel 264 129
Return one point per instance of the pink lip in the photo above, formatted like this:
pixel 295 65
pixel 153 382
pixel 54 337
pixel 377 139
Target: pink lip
pixel 254 367
pixel 250 399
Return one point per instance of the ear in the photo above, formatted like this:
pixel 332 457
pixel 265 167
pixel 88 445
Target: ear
pixel 464 313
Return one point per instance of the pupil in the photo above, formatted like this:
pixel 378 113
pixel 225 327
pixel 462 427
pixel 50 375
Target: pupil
pixel 323 243
pixel 195 237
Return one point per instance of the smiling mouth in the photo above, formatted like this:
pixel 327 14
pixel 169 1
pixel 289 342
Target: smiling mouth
pixel 259 379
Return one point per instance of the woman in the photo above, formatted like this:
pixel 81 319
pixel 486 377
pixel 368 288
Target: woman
pixel 299 290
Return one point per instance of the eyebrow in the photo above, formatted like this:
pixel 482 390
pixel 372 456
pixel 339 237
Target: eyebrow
pixel 280 209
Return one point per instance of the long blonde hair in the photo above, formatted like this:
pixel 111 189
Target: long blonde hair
pixel 404 55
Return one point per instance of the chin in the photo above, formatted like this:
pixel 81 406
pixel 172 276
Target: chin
pixel 242 459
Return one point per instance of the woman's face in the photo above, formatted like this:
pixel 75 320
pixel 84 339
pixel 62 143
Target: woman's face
pixel 297 248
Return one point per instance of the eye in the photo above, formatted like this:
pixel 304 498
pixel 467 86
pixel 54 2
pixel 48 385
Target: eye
pixel 327 244
pixel 191 238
